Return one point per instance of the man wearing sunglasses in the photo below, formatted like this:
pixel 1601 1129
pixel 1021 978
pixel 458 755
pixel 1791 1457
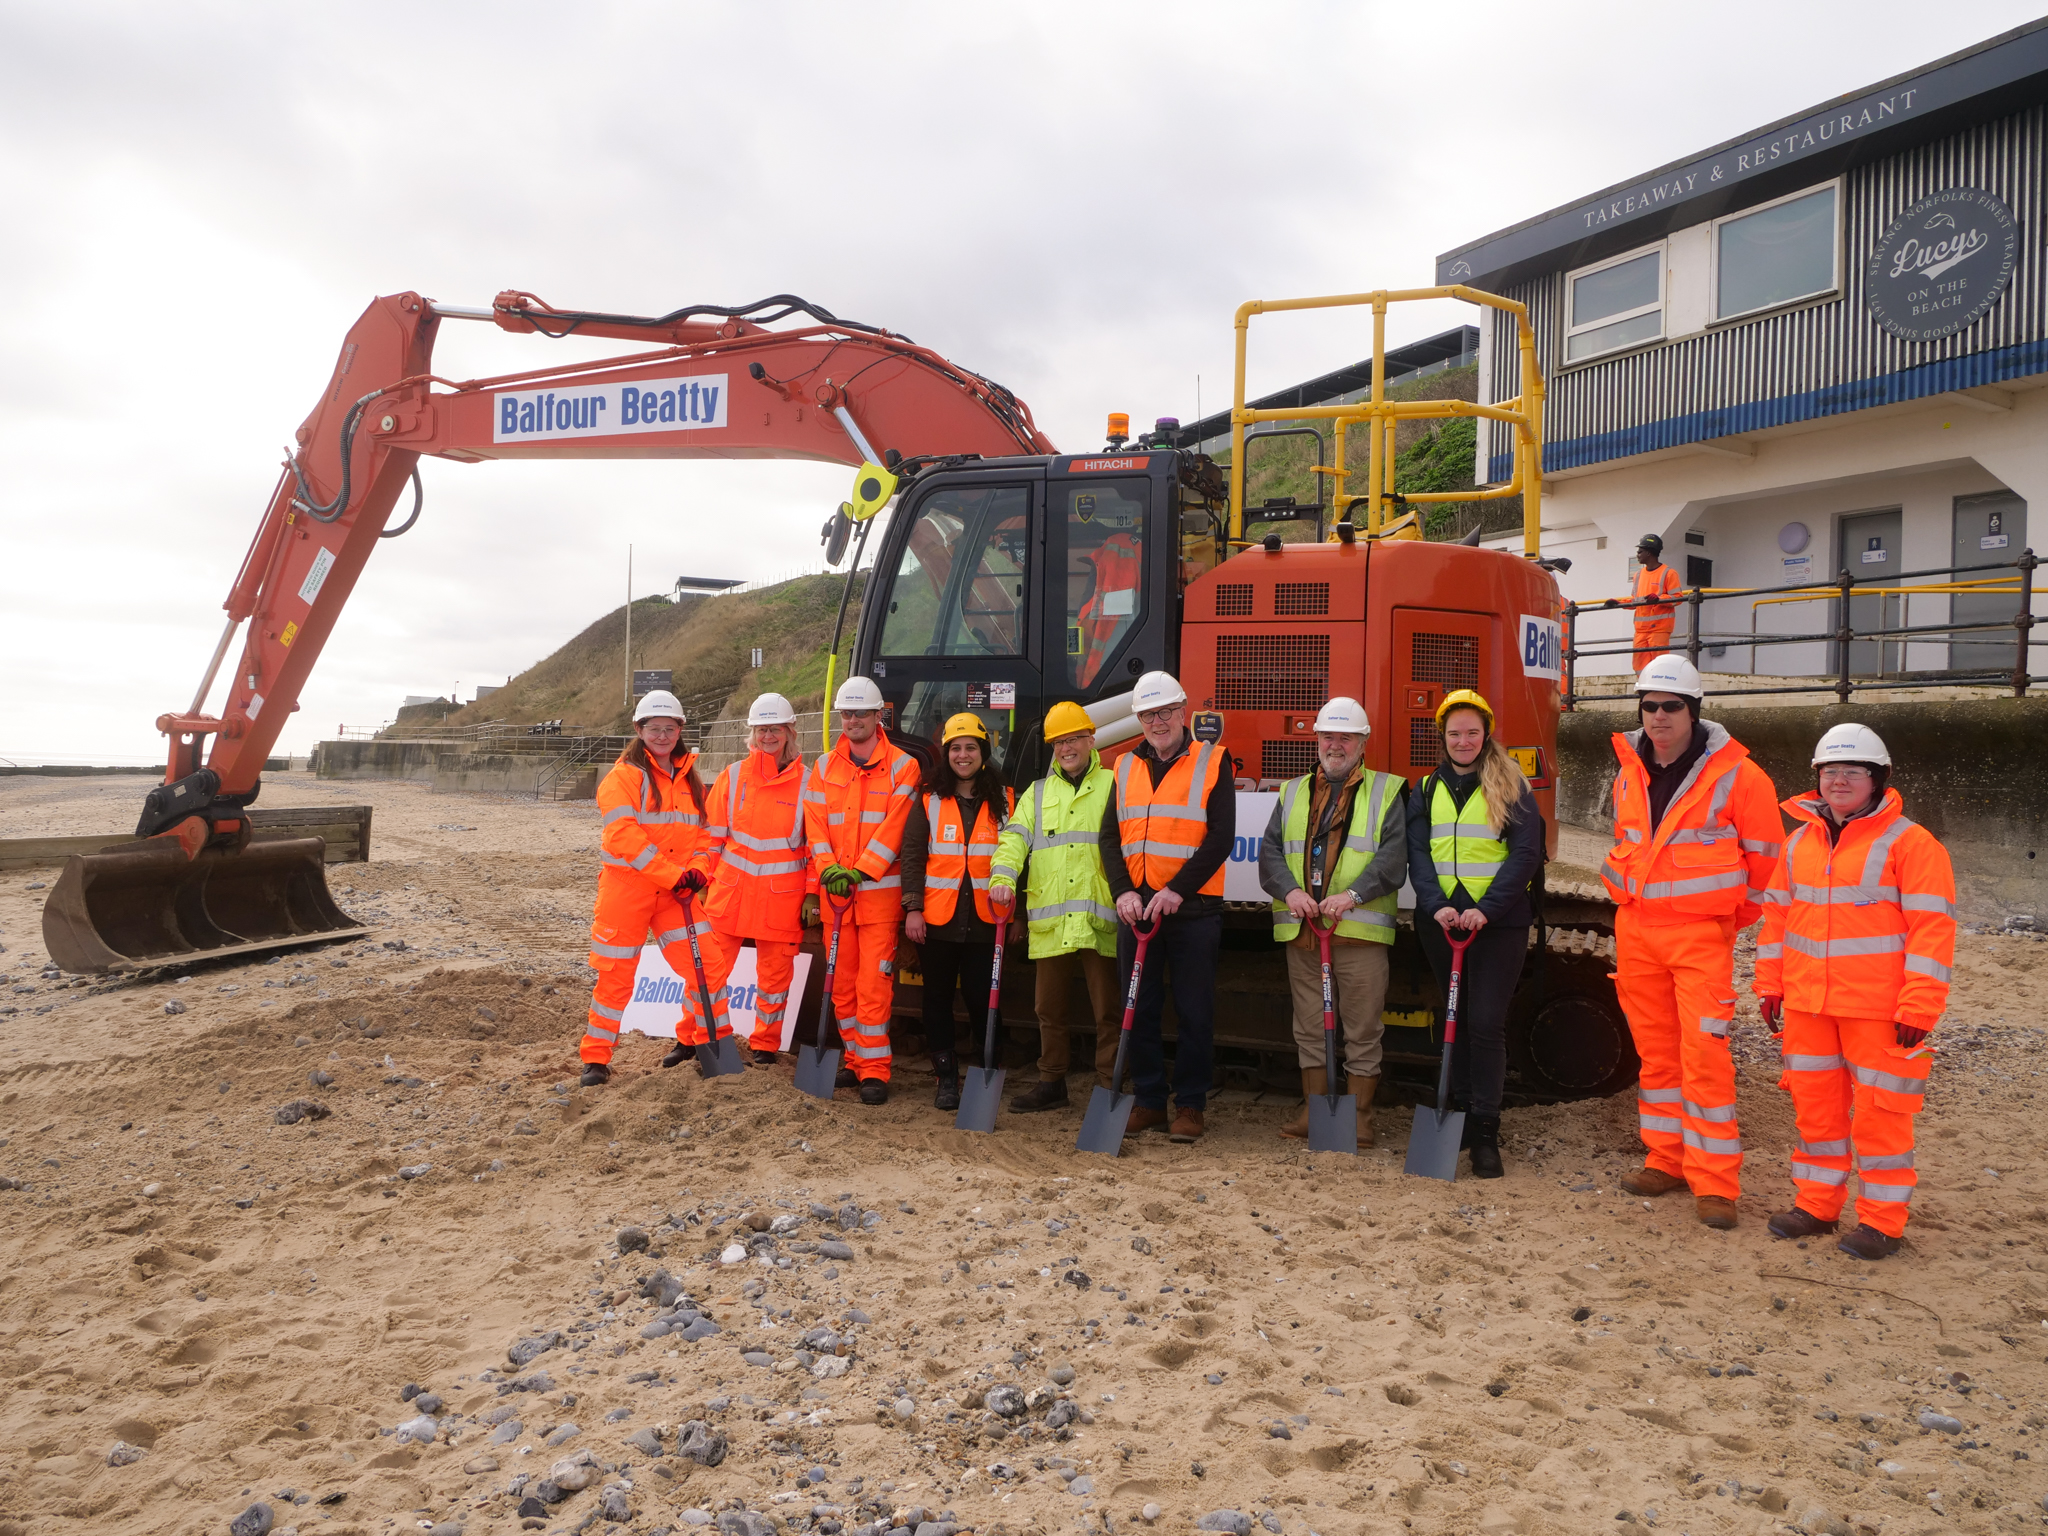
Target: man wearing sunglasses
pixel 1696 838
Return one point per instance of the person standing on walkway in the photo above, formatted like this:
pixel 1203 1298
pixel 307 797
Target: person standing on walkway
pixel 1656 587
pixel 1052 840
pixel 1476 844
pixel 1166 835
pixel 949 844
pixel 651 810
pixel 1852 969
pixel 1335 853
pixel 1696 836
pixel 857 798
pixel 755 859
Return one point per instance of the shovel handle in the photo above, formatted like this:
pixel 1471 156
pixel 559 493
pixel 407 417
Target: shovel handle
pixel 828 1013
pixel 995 997
pixel 711 1034
pixel 1329 1009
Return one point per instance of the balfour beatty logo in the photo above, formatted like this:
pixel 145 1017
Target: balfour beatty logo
pixel 609 410
pixel 666 989
pixel 1542 647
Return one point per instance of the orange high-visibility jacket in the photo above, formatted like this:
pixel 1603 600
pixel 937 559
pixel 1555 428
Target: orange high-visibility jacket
pixel 1713 853
pixel 1161 826
pixel 1862 929
pixel 1662 582
pixel 952 858
pixel 854 815
pixel 1118 569
pixel 650 821
pixel 754 851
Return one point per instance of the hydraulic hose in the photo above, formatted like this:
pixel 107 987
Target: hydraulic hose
pixel 418 496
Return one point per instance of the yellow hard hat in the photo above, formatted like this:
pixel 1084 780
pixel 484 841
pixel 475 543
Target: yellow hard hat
pixel 964 725
pixel 1066 719
pixel 1464 698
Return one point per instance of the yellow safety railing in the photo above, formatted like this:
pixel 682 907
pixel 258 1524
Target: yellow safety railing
pixel 1382 417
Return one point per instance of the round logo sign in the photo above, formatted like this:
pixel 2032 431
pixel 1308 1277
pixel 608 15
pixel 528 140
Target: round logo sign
pixel 1947 260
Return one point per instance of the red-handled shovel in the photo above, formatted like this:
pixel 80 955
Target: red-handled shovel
pixel 1109 1112
pixel 1433 1144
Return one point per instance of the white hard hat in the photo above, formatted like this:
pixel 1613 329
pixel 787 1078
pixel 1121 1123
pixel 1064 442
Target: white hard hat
pixel 857 693
pixel 1851 744
pixel 1155 690
pixel 1670 674
pixel 658 703
pixel 771 709
pixel 1344 715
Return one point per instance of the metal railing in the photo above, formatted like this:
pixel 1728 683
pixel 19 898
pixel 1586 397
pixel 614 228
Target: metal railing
pixel 1845 678
pixel 579 753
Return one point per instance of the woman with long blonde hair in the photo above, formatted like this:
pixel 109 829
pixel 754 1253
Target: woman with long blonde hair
pixel 1475 847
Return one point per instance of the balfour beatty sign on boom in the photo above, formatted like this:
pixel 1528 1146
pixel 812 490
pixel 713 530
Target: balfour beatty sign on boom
pixel 609 410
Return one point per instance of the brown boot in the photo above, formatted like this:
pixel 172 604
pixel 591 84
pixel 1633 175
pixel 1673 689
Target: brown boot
pixel 1143 1119
pixel 1314 1080
pixel 1187 1125
pixel 1716 1211
pixel 1363 1089
pixel 1651 1181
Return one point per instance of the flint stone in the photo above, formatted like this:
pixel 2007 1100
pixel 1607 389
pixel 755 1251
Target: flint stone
pixel 572 1474
pixel 696 1517
pixel 1230 1520
pixel 703 1328
pixel 757 1357
pixel 1060 1415
pixel 562 1435
pixel 828 1366
pixel 1008 1402
pixel 428 1402
pixel 446 1528
pixel 936 1528
pixel 477 1465
pixel 1271 1522
pixel 527 1350
pixel 1063 1375
pixel 632 1239
pixel 1940 1423
pixel 507 1432
pixel 125 1455
pixel 701 1443
pixel 614 1506
pixel 832 1248
pixel 421 1430
pixel 646 1441
pixel 253 1521
pixel 533 1508
pixel 744 1522
pixel 301 1109
pixel 549 1491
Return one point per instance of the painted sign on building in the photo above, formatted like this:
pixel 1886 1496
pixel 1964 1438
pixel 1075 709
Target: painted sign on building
pixel 1945 261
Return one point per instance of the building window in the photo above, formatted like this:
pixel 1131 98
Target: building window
pixel 1616 304
pixel 1777 254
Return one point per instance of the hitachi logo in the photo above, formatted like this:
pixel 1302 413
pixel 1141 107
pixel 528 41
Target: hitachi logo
pixel 609 410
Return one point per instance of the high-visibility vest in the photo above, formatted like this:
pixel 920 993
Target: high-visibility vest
pixel 1372 920
pixel 1465 850
pixel 1162 826
pixel 1118 569
pixel 854 815
pixel 1864 927
pixel 951 857
pixel 648 821
pixel 1662 582
pixel 1712 854
pixel 753 850
pixel 1053 840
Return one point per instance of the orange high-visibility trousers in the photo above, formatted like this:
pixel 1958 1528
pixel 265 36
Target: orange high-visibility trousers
pixel 628 906
pixel 864 993
pixel 1652 641
pixel 1855 1091
pixel 1677 986
pixel 774 963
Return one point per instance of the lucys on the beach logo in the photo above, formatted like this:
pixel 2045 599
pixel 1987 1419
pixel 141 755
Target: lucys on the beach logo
pixel 1947 260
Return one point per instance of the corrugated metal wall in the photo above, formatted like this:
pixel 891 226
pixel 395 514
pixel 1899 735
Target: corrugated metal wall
pixel 1815 360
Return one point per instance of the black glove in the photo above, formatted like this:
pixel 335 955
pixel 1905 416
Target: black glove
pixel 1908 1034
pixel 1613 602
pixel 1773 1010
pixel 691 880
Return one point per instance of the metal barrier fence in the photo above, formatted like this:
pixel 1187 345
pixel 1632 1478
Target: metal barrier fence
pixel 1862 651
pixel 725 741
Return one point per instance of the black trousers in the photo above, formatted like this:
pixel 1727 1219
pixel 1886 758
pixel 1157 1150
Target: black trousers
pixel 1183 953
pixel 1493 968
pixel 962 968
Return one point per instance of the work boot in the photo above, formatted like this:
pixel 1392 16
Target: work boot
pixel 1143 1119
pixel 1050 1093
pixel 946 1067
pixel 1364 1090
pixel 1716 1211
pixel 873 1091
pixel 1651 1181
pixel 766 1058
pixel 595 1074
pixel 1866 1242
pixel 1798 1223
pixel 680 1054
pixel 846 1079
pixel 1314 1080
pixel 1187 1125
pixel 1486 1146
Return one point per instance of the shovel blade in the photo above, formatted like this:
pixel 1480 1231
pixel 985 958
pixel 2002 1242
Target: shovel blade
pixel 981 1097
pixel 1433 1145
pixel 1102 1128
pixel 720 1058
pixel 1333 1123
pixel 816 1070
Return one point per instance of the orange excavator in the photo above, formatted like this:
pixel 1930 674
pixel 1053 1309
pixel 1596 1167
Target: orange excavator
pixel 1010 577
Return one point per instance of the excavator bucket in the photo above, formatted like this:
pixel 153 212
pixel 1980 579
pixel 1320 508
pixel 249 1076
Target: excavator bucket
pixel 148 904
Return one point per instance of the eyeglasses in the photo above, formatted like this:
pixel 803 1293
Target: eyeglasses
pixel 1154 716
pixel 1661 706
pixel 1845 773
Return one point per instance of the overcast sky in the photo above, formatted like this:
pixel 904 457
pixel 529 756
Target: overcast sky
pixel 1071 199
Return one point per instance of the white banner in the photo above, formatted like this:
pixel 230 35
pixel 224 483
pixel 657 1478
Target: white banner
pixel 608 410
pixel 1241 873
pixel 657 1003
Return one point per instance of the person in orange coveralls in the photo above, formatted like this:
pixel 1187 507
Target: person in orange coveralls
pixel 652 808
pixel 1654 620
pixel 1853 965
pixel 1696 836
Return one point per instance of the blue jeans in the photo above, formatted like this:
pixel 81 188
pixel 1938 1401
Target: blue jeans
pixel 1184 948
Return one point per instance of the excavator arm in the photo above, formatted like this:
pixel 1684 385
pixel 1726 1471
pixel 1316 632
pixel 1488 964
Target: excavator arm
pixel 716 383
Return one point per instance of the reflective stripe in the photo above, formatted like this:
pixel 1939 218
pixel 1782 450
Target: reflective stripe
pixel 1068 909
pixel 1869 1077
pixel 835 818
pixel 1719 1113
pixel 734 861
pixel 592 1032
pixel 616 813
pixel 768 844
pixel 644 857
pixel 1835 949
pixel 1888 1160
pixel 1662 890
pixel 1609 872
pixel 1774 897
pixel 615 951
pixel 1814 1063
pixel 1813 1173
pixel 886 883
pixel 1900 1193
pixel 1725 1147
pixel 1770 951
pixel 1824 1148
pixel 1923 966
pixel 1880 850
pixel 1713 1026
pixel 1182 851
pixel 860 1052
pixel 718 834
pixel 613 1014
pixel 1633 834
pixel 943 882
pixel 1758 845
pixel 1844 895
pixel 877 817
pixel 1660 1123
pixel 1063 840
pixel 668 818
pixel 1913 902
pixel 1659 1095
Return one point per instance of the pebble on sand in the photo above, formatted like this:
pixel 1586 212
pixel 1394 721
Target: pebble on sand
pixel 632 1240
pixel 253 1521
pixel 1940 1423
pixel 125 1455
pixel 1234 1522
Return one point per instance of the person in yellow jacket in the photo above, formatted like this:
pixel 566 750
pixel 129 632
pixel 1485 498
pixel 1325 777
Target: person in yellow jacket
pixel 1852 967
pixel 1051 844
pixel 651 806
